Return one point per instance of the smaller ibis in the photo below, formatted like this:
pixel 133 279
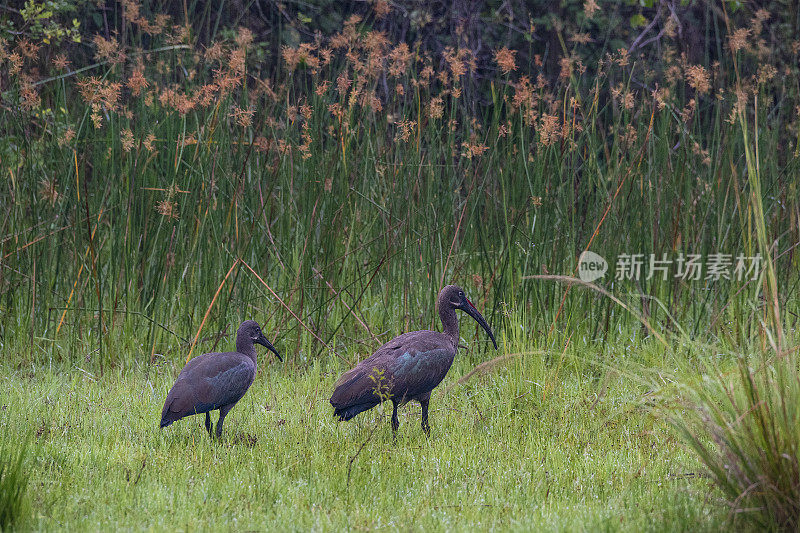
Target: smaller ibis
pixel 216 380
pixel 407 367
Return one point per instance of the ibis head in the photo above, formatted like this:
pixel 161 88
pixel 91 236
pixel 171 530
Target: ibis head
pixel 250 333
pixel 453 297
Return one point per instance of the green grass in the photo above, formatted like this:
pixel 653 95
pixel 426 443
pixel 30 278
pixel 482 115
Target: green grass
pixel 14 473
pixel 503 454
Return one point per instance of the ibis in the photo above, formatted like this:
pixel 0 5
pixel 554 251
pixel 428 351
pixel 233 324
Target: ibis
pixel 216 380
pixel 407 367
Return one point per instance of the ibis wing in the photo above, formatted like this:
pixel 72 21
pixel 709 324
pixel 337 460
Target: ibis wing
pixel 356 387
pixel 416 372
pixel 406 367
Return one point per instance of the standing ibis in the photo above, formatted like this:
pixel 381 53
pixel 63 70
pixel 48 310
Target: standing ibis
pixel 407 367
pixel 216 380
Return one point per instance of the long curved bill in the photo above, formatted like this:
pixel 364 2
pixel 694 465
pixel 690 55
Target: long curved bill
pixel 471 311
pixel 266 344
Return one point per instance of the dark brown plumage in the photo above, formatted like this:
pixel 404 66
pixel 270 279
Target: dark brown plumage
pixel 216 380
pixel 407 367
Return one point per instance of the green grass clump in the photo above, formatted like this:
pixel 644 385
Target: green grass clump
pixel 14 475
pixel 744 426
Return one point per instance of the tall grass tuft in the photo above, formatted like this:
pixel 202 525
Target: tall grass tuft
pixel 13 479
pixel 745 428
pixel 745 425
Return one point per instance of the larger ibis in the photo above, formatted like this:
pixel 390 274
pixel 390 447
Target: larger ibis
pixel 407 367
pixel 216 380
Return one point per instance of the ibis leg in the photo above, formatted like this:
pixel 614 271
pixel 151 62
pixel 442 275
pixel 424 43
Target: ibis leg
pixel 395 421
pixel 425 427
pixel 209 426
pixel 223 411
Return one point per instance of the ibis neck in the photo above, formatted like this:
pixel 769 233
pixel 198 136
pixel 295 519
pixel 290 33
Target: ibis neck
pixel 245 345
pixel 450 322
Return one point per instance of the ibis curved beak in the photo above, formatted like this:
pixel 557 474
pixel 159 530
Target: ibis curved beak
pixel 262 340
pixel 468 308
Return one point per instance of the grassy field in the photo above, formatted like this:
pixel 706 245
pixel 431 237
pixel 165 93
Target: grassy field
pixel 175 181
pixel 520 449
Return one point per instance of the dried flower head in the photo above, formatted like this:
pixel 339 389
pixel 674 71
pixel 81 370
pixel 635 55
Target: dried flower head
pixel 458 61
pixel 15 63
pixel 590 7
pixel 505 59
pixel 107 50
pixel 29 97
pixel 687 113
pixel 660 95
pixel 242 117
pixel 48 191
pixel 126 139
pixel 760 16
pixel 170 98
pixel 148 142
pixel 622 58
pixel 435 108
pixel 581 38
pixel 566 68
pixel 473 149
pixel 60 62
pixel 628 100
pixel 766 72
pixel 99 93
pixel 381 8
pixel 67 137
pixel 372 101
pixel 698 79
pixel 262 144
pixel 167 208
pixel 28 49
pixel 405 127
pixel 215 52
pixel 549 129
pixel 322 88
pixel 137 82
pixel 236 62
pixel 343 83
pixel 97 120
pixel 738 39
pixel 244 37
pixel 206 95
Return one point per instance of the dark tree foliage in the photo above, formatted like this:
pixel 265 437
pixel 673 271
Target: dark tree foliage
pixel 542 31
